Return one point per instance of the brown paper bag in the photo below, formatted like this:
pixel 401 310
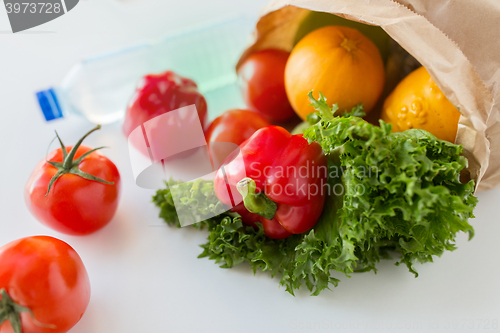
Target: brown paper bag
pixel 457 41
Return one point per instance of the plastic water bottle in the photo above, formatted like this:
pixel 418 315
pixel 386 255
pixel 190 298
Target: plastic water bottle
pixel 99 88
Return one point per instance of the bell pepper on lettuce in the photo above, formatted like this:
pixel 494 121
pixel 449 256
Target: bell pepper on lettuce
pixel 278 176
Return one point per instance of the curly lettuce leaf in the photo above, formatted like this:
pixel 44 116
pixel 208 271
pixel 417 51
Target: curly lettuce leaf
pixel 402 190
pixel 198 203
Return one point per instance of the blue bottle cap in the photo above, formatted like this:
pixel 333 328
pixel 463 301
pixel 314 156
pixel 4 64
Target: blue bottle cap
pixel 51 107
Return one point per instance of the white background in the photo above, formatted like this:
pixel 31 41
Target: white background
pixel 145 277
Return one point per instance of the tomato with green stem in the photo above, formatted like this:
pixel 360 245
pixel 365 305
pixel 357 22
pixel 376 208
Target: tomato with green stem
pixel 75 190
pixel 44 286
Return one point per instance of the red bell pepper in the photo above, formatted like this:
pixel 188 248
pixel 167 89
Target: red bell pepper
pixel 280 180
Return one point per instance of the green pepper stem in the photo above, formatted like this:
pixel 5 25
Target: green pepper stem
pixel 257 203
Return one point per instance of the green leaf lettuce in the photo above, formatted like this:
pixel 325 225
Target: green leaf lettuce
pixel 388 193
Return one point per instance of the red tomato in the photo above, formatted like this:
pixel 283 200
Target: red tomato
pixel 45 275
pixel 157 94
pixel 234 126
pixel 262 77
pixel 74 205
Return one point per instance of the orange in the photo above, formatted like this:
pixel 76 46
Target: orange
pixel 339 62
pixel 417 102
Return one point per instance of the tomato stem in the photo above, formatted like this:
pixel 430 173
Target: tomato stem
pixel 11 311
pixel 70 165
pixel 257 203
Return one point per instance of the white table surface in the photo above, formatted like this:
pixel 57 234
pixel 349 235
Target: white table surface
pixel 146 277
